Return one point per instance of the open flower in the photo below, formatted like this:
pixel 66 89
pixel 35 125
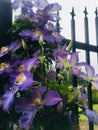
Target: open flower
pixel 90 76
pixel 25 5
pixel 27 64
pixel 74 64
pixel 29 107
pixel 21 81
pixel 49 10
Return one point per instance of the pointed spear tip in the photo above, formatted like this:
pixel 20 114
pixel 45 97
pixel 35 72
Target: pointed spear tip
pixel 73 12
pixel 85 11
pixel 96 11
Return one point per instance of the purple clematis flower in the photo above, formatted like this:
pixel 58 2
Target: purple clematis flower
pixel 74 64
pixel 60 51
pixel 21 81
pixel 48 10
pixel 8 99
pixel 11 48
pixel 25 5
pixel 29 107
pixel 92 115
pixel 71 64
pixel 90 76
pixel 26 64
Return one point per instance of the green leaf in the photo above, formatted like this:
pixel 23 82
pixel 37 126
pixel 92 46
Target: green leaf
pixel 42 58
pixel 41 41
pixel 24 45
pixel 69 48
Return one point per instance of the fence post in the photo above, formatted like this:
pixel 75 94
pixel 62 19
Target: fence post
pixel 74 114
pixel 96 27
pixel 5 21
pixel 91 127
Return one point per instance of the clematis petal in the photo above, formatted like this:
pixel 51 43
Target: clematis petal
pixel 39 4
pixel 52 7
pixel 26 33
pixel 37 93
pixel 31 63
pixel 51 98
pixel 92 115
pixel 23 104
pixel 27 118
pixel 74 59
pixel 14 46
pixel 96 77
pixel 90 71
pixel 8 99
pixel 15 4
pixel 84 76
pixel 95 84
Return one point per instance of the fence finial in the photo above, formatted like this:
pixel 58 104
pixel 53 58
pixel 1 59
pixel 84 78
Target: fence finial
pixel 96 12
pixel 85 11
pixel 72 13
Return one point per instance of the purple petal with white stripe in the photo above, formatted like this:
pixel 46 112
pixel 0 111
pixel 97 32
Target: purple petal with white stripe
pixel 8 99
pixel 92 115
pixel 27 118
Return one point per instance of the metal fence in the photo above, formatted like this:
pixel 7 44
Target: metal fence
pixel 87 48
pixel 5 24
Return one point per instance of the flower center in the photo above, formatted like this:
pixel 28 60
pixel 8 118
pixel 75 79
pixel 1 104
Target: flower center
pixel 41 12
pixel 37 101
pixel 4 49
pixel 4 66
pixel 37 33
pixel 20 79
pixel 21 68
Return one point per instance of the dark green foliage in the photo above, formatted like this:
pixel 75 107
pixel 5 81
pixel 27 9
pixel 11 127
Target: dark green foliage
pixel 49 119
pixel 8 119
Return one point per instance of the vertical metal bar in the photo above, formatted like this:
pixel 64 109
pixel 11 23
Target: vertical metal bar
pixel 74 114
pixel 96 27
pixel 91 127
pixel 5 21
pixel 58 24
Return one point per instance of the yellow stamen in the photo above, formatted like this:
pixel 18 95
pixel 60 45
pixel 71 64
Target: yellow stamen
pixel 41 12
pixel 37 33
pixel 21 68
pixel 20 79
pixel 4 66
pixel 37 101
pixel 4 49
